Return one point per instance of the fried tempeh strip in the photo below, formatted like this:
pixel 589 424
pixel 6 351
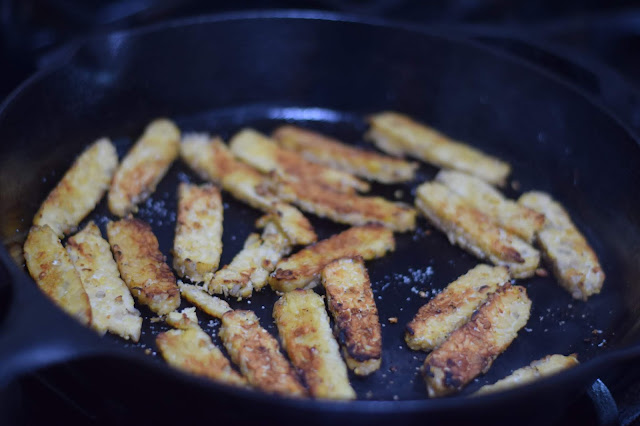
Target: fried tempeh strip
pixel 474 231
pixel 350 209
pixel 198 239
pixel 397 134
pixel 472 348
pixel 574 262
pixel 112 306
pixel 213 161
pixel 303 269
pixel 453 307
pixel 249 345
pixel 80 189
pixel 142 265
pixel 250 268
pixel 190 349
pixel 265 155
pixel 508 214
pixel 303 325
pixel 351 303
pixel 326 151
pixel 144 166
pixel 50 266
pixel 547 366
pixel 292 223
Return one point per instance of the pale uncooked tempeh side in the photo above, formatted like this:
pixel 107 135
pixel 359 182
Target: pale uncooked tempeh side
pixel 111 302
pixel 80 189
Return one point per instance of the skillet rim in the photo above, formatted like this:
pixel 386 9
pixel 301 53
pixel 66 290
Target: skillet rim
pixel 584 372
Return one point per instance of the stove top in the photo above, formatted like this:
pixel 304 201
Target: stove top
pixel 593 44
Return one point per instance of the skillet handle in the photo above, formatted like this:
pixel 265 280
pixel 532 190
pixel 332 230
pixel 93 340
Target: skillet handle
pixel 35 333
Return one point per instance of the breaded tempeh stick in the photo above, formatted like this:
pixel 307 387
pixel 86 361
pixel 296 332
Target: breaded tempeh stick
pixel 292 223
pixel 453 307
pixel 250 268
pixel 198 239
pixel 305 333
pixel 50 266
pixel 472 348
pixel 350 209
pixel 326 151
pixel 111 302
pixel 508 214
pixel 191 350
pixel 474 231
pixel 80 189
pixel 574 262
pixel 142 265
pixel 302 270
pixel 213 161
pixel 144 166
pixel 183 319
pixel 547 366
pixel 398 134
pixel 250 346
pixel 265 155
pixel 351 303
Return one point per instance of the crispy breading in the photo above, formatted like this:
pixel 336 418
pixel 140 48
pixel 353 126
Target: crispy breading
pixel 547 366
pixel 183 319
pixel 471 349
pixel 303 269
pixel 144 166
pixel 50 266
pixel 303 325
pixel 397 134
pixel 250 268
pixel 211 305
pixel 350 209
pixel 257 354
pixel 198 238
pixel 191 350
pixel 212 160
pixel 265 155
pixel 292 223
pixel 80 189
pixel 350 301
pixel 575 264
pixel 112 306
pixel 453 307
pixel 326 151
pixel 508 214
pixel 142 265
pixel 474 231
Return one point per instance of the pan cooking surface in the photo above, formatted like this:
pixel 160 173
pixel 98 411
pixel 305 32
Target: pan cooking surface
pixel 423 263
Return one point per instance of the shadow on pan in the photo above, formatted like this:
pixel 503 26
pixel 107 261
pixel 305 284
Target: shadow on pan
pixel 326 73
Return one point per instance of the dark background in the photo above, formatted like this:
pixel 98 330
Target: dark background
pixel 600 33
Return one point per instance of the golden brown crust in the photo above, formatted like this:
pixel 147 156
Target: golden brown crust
pixel 330 152
pixel 112 306
pixel 50 266
pixel 303 269
pixel 513 217
pixel 265 155
pixel 474 231
pixel 142 265
pixel 398 134
pixel 350 209
pixel 354 311
pixel 144 166
pixel 293 224
pixel 453 307
pixel 208 304
pixel 198 238
pixel 191 350
pixel 305 333
pixel 472 348
pixel 80 189
pixel 575 264
pixel 258 355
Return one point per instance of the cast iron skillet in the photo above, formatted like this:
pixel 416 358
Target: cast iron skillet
pixel 326 72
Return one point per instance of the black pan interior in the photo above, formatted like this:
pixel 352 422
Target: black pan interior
pixel 327 75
